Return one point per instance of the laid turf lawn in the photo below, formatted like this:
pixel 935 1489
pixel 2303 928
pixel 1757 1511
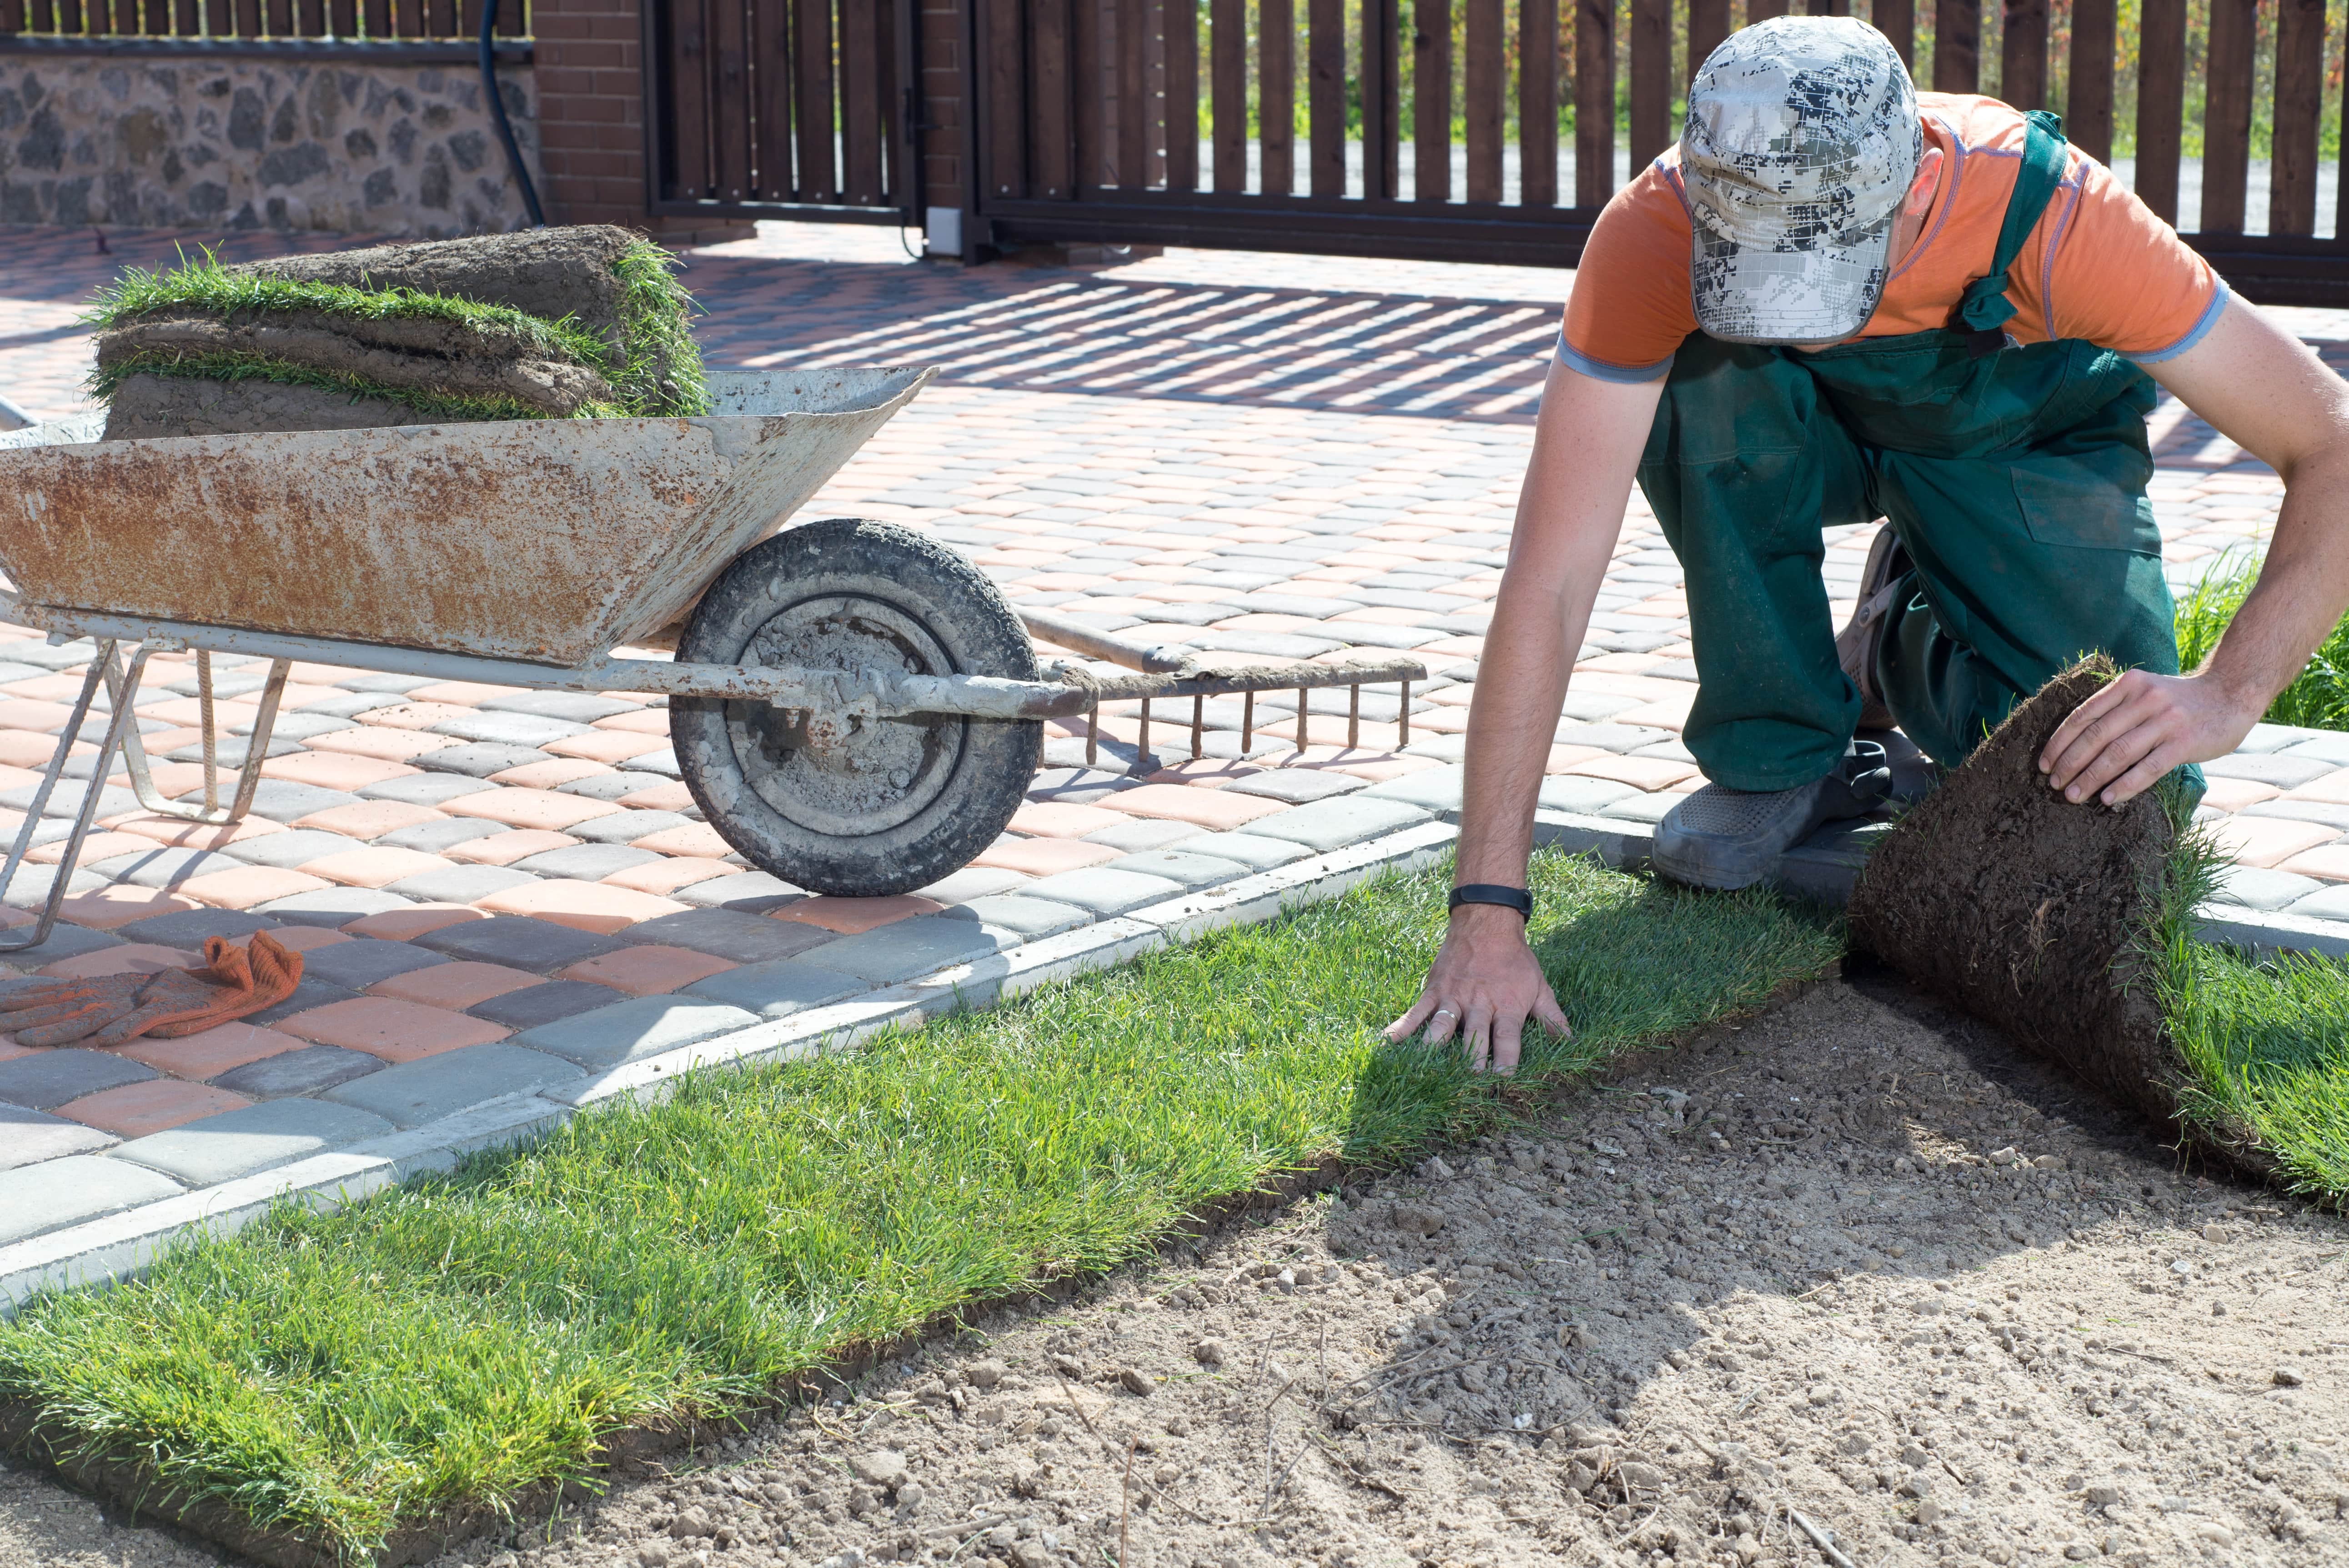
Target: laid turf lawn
pixel 2318 699
pixel 461 1339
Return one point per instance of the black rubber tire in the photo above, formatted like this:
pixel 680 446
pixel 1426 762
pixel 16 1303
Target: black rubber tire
pixel 845 826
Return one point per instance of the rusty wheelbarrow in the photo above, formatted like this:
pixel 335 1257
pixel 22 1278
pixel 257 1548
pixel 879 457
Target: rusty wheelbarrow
pixel 854 707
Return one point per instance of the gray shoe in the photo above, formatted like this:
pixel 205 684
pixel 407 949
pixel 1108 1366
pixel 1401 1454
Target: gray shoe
pixel 1879 581
pixel 1726 838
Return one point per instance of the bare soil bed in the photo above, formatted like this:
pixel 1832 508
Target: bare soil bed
pixel 1859 1265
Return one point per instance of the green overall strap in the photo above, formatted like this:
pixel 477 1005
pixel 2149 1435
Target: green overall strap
pixel 1984 312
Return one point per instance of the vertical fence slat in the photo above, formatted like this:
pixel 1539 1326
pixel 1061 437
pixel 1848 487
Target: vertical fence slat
pixel 12 16
pixel 1897 20
pixel 2298 104
pixel 889 78
pixel 377 13
pixel 1538 102
pixel 1382 98
pixel 342 18
pixel 1482 104
pixel 1957 45
pixel 1763 10
pixel 310 17
pixel 2088 100
pixel 1228 68
pixel 1181 96
pixel 689 145
pixel 1708 25
pixel 1276 94
pixel 2226 116
pixel 2022 55
pixel 1051 167
pixel 2160 104
pixel 1003 46
pixel 811 55
pixel 729 60
pixel 1431 94
pixel 770 65
pixel 860 107
pixel 1594 85
pixel 1651 129
pixel 1131 43
pixel 1325 92
pixel 1089 96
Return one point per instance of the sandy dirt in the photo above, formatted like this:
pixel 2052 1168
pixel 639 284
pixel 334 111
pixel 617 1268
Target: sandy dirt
pixel 1858 1265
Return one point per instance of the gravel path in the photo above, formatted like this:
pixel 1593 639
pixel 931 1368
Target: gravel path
pixel 1856 1265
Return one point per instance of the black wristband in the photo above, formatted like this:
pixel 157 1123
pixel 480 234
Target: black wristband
pixel 1515 898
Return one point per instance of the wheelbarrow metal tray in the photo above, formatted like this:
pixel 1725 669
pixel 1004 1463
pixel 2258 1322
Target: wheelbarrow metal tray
pixel 548 540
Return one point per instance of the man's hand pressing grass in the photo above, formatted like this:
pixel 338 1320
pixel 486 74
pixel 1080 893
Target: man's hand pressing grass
pixel 1482 986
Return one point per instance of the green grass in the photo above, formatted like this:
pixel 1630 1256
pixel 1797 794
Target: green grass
pixel 2318 699
pixel 662 369
pixel 464 1339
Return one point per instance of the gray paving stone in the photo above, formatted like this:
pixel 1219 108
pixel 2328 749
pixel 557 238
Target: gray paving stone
pixel 336 906
pixel 2284 770
pixel 432 838
pixel 460 884
pixel 577 708
pixel 410 1094
pixel 1179 866
pixel 229 753
pixel 1622 738
pixel 2258 888
pixel 63 656
pixel 2265 737
pixel 626 827
pixel 27 1137
pixel 311 1071
pixel 1674 751
pixel 15 670
pixel 163 867
pixel 737 934
pixel 586 862
pixel 2332 903
pixel 1296 786
pixel 2331 750
pixel 1332 824
pixel 906 948
pixel 970 882
pixel 48 1079
pixel 1572 792
pixel 1434 790
pixel 535 1005
pixel 309 993
pixel 365 962
pixel 1370 634
pixel 1078 786
pixel 65 799
pixel 67 1191
pixel 1639 808
pixel 752 891
pixel 2324 811
pixel 639 1026
pixel 291 726
pixel 252 1138
pixel 774 990
pixel 284 800
pixel 509 728
pixel 1028 918
pixel 293 847
pixel 346 706
pixel 188 927
pixel 1251 849
pixel 379 683
pixel 1103 891
pixel 663 762
pixel 46 830
pixel 518 941
pixel 480 760
pixel 1143 833
pixel 425 789
pixel 616 785
pixel 1595 706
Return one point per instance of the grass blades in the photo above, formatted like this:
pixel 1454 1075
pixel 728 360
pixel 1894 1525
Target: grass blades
pixel 222 366
pixel 2317 699
pixel 462 1339
pixel 662 372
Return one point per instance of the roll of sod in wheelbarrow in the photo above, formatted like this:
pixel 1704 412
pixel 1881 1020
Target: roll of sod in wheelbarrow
pixel 551 324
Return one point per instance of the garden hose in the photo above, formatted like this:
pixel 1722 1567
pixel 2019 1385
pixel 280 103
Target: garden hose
pixel 498 114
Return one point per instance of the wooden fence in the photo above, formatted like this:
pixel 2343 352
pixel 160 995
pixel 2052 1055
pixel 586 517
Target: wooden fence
pixel 258 20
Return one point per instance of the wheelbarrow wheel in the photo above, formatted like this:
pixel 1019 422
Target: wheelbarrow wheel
pixel 861 807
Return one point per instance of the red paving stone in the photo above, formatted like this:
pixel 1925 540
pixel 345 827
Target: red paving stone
pixel 549 775
pixel 1044 857
pixel 1051 820
pixel 647 971
pixel 419 920
pixel 664 877
pixel 454 986
pixel 103 909
pixel 377 865
pixel 368 819
pixel 137 1109
pixel 598 907
pixel 1217 811
pixel 850 916
pixel 505 849
pixel 250 885
pixel 336 769
pixel 695 839
pixel 99 846
pixel 212 1052
pixel 659 798
pixel 542 810
pixel 611 746
pixel 185 835
pixel 2328 862
pixel 384 743
pixel 395 1030
pixel 2268 840
pixel 130 958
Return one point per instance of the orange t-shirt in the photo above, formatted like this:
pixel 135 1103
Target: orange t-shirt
pixel 2099 265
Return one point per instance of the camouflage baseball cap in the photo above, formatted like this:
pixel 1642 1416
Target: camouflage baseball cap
pixel 1802 137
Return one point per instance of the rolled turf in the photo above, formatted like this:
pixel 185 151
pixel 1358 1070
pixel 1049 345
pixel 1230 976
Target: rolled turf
pixel 464 1342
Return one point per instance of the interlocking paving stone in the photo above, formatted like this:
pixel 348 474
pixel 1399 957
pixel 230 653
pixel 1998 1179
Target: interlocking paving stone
pixel 1024 916
pixel 49 1078
pixel 535 1005
pixel 188 927
pixel 163 867
pixel 2285 770
pixel 432 838
pixel 65 1192
pixel 311 992
pixel 362 962
pixel 588 862
pixel 2302 811
pixel 519 941
pixel 292 849
pixel 730 933
pixel 284 800
pixel 626 827
pixel 1331 824
pixel 639 1026
pixel 1296 786
pixel 312 1070
pixel 425 788
pixel 970 882
pixel 333 906
pixel 2260 889
pixel 752 891
pixel 906 948
pixel 1140 834
pixel 66 940
pixel 577 708
pixel 1623 738
pixel 519 729
pixel 236 1144
pixel 1434 790
pixel 1636 807
pixel 414 1093
pixel 2332 903
pixel 2331 750
pixel 1104 892
pixel 663 762
pixel 293 727
pixel 480 760
pixel 1251 849
pixel 460 884
pixel 65 799
pixel 617 786
pixel 1189 871
pixel 27 1137
pixel 1568 792
pixel 30 887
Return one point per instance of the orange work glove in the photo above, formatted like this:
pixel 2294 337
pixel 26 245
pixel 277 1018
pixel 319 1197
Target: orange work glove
pixel 59 1012
pixel 233 983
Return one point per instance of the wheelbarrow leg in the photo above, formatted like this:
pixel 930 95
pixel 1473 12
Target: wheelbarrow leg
pixel 101 667
pixel 256 752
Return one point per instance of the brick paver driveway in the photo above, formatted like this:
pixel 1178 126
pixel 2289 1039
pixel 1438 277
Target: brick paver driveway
pixel 499 892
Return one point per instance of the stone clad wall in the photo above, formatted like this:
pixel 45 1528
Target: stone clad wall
pixel 242 143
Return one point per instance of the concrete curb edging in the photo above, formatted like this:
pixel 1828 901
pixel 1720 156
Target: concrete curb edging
pixel 98 1253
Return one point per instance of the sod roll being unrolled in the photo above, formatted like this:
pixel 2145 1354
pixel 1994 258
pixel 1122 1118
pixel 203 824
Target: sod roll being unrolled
pixel 584 322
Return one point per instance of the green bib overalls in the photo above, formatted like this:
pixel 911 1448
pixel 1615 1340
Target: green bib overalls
pixel 2015 476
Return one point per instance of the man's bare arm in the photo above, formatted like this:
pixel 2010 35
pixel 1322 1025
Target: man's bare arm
pixel 2268 392
pixel 1586 442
